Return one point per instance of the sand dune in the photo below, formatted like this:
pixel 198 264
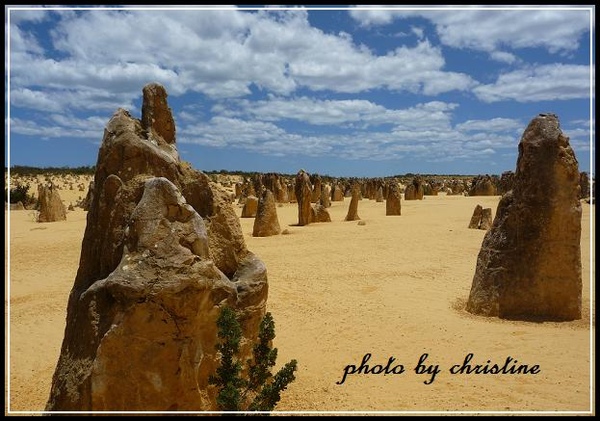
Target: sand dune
pixel 394 287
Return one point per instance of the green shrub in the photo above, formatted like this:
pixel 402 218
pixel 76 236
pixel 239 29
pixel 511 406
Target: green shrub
pixel 20 193
pixel 260 391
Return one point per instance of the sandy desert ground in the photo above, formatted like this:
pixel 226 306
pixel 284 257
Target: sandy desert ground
pixel 394 287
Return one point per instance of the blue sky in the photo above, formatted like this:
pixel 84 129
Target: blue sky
pixel 356 91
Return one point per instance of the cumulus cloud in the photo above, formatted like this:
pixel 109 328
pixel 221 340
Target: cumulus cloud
pixel 267 81
pixel 56 100
pixel 23 42
pixel 423 132
pixel 355 112
pixel 580 135
pixel 542 83
pixel 372 15
pixel 503 56
pixel 20 14
pixel 491 30
pixel 49 130
pixel 495 124
pixel 221 53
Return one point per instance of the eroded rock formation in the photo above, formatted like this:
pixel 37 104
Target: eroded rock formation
pixel 319 213
pixel 482 185
pixel 250 207
pixel 303 191
pixel 529 265
pixel 50 205
pixel 414 191
pixel 326 196
pixel 266 222
pixel 392 203
pixel 481 218
pixel 337 193
pixel 162 253
pixel 352 214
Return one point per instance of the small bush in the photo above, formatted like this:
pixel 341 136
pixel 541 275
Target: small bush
pixel 20 193
pixel 261 391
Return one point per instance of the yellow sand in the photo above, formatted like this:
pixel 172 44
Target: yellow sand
pixel 394 287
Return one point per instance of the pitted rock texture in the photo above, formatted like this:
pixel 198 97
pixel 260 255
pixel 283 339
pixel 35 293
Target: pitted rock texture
pixel 162 253
pixel 529 265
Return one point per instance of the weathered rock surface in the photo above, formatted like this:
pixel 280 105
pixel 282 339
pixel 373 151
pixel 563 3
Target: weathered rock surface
pixel 319 213
pixel 87 201
pixel 50 205
pixel 481 218
pixel 486 219
pixel 337 193
pixel 456 187
pixel 162 252
pixel 476 217
pixel 482 185
pixel 379 194
pixel 326 195
pixel 414 191
pixel 157 118
pixel 274 182
pixel 303 191
pixel 266 222
pixel 392 203
pixel 529 265
pixel 505 183
pixel 315 181
pixel 250 207
pixel 352 214
pixel 584 184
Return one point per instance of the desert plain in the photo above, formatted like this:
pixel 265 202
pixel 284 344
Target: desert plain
pixel 394 287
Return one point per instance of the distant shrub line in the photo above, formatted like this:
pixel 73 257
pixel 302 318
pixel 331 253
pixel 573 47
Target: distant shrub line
pixel 25 170
pixel 89 170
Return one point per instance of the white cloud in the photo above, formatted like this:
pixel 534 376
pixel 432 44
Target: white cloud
pixel 45 130
pixel 355 112
pixel 422 132
pixel 99 61
pixel 92 123
pixel 580 136
pixel 221 53
pixel 372 15
pixel 419 32
pixel 36 100
pixel 503 57
pixel 542 83
pixel 21 16
pixel 418 70
pixel 23 42
pixel 56 100
pixel 255 136
pixel 492 30
pixel 495 124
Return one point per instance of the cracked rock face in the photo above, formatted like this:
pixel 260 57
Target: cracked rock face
pixel 162 253
pixel 529 265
